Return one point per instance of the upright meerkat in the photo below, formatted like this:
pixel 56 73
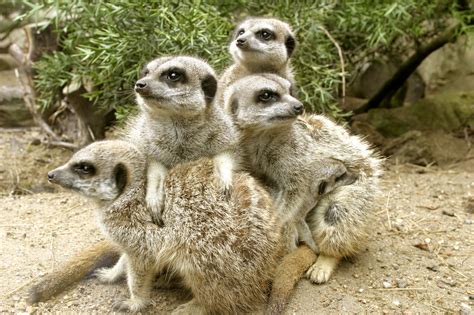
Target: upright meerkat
pixel 225 248
pixel 178 122
pixel 259 44
pixel 285 150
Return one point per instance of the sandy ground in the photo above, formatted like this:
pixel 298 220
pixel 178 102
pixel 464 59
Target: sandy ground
pixel 420 257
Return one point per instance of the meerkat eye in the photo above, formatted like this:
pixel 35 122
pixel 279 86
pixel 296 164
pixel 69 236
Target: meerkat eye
pixel 267 96
pixel 266 34
pixel 173 76
pixel 146 72
pixel 240 32
pixel 84 168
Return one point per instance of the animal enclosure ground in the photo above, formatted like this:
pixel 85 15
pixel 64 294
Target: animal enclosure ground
pixel 420 256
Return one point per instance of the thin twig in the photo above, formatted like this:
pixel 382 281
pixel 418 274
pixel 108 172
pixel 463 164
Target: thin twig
pixel 18 288
pixel 341 60
pixel 62 144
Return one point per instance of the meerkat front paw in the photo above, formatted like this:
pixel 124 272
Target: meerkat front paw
pixel 130 305
pixel 322 270
pixel 155 202
pixel 224 165
pixel 108 275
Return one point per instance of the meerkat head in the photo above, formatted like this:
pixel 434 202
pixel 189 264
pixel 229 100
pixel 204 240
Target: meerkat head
pixel 262 101
pixel 101 170
pixel 176 85
pixel 262 43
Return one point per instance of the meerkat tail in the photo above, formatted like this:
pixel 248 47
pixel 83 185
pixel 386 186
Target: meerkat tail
pixel 287 275
pixel 101 254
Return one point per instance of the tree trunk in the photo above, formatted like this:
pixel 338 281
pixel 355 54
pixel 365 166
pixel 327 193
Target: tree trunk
pixel 407 68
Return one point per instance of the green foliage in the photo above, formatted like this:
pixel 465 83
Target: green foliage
pixel 107 42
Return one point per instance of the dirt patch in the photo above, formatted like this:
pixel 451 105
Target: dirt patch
pixel 25 163
pixel 419 258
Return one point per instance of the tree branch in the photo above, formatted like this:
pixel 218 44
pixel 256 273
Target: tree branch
pixel 407 68
pixel 341 59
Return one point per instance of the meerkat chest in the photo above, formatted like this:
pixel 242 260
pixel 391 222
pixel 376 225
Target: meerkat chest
pixel 281 164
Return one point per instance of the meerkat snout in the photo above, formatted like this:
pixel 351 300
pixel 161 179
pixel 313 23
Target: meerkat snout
pixel 298 108
pixel 140 86
pixel 51 176
pixel 241 43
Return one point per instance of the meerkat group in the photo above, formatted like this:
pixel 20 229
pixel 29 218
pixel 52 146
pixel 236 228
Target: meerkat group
pixel 322 182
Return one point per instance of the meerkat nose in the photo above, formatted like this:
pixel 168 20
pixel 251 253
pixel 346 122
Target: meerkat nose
pixel 298 109
pixel 241 42
pixel 140 86
pixel 51 176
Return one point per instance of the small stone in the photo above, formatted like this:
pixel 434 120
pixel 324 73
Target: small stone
pixel 468 221
pixel 361 290
pixel 401 284
pixel 465 309
pixel 434 268
pixel 355 275
pixel 35 141
pixel 16 298
pixel 396 302
pixel 386 284
pixel 449 213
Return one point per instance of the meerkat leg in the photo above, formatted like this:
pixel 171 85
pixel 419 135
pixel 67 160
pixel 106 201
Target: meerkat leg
pixel 191 307
pixel 140 281
pixel 156 174
pixel 113 274
pixel 322 269
pixel 293 207
pixel 224 167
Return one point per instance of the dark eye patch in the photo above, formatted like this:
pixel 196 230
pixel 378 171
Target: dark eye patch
pixel 239 32
pixel 266 34
pixel 174 75
pixel 267 96
pixel 84 168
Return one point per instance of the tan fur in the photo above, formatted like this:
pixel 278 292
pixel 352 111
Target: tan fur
pixel 75 269
pixel 224 248
pixel 287 274
pixel 293 154
pixel 178 122
pixel 258 55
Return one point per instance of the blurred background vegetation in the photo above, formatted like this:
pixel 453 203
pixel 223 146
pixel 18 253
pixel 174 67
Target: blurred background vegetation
pixel 100 46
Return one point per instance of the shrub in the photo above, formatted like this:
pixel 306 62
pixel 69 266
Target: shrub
pixel 107 42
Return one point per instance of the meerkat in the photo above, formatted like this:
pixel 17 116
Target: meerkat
pixel 178 122
pixel 259 44
pixel 225 248
pixel 286 150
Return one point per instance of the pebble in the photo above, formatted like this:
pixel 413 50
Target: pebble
pixel 465 309
pixel 401 284
pixel 386 284
pixel 396 302
pixel 434 268
pixel 449 213
pixel 468 221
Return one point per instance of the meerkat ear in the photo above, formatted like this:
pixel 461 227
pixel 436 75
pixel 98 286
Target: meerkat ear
pixel 209 87
pixel 234 105
pixel 290 44
pixel 120 175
